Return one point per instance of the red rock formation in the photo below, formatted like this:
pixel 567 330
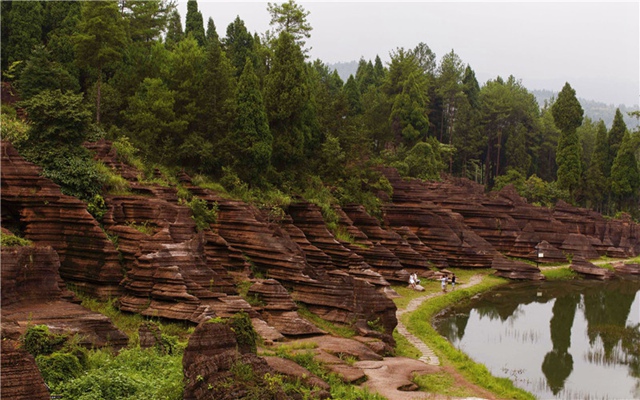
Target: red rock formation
pixel 20 378
pixel 31 296
pixel 627 269
pixel 209 361
pixel 36 206
pixel 513 269
pixel 589 270
pixel 408 257
pixel 278 309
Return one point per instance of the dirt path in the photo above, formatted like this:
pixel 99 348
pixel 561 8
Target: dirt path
pixel 390 377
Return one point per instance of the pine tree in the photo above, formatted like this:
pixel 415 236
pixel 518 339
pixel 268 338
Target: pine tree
pixel 239 45
pixel 616 133
pixel 409 112
pixel 252 138
pixel 212 34
pixel 596 179
pixel 42 73
pixel 100 39
pixel 567 115
pixel 174 29
pixel 287 99
pixel 23 30
pixel 352 92
pixel 291 18
pixel 625 176
pixel 194 23
pixel 218 92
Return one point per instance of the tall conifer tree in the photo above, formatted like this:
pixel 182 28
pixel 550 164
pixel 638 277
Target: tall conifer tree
pixel 194 23
pixel 252 138
pixel 100 39
pixel 567 115
pixel 616 133
pixel 625 176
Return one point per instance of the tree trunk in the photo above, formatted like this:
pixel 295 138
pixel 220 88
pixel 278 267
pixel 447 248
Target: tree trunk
pixel 98 96
pixel 498 157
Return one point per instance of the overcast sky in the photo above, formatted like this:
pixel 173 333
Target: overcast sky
pixel 593 46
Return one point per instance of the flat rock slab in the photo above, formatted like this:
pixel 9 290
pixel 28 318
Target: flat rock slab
pixel 391 377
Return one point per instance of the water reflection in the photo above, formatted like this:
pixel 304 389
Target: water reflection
pixel 573 339
pixel 558 363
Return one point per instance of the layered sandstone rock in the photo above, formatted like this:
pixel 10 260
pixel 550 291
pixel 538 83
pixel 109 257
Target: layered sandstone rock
pixel 31 296
pixel 278 309
pixel 20 378
pixel 513 269
pixel 36 206
pixel 590 270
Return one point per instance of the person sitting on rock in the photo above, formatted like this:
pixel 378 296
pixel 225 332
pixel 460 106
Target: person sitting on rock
pixel 412 281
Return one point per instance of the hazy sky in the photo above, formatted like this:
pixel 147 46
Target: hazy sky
pixel 593 46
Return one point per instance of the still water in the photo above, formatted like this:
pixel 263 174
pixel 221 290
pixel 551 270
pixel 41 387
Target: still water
pixel 557 340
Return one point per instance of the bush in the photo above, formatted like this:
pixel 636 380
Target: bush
pixel 204 213
pixel 59 366
pixel 13 130
pixel 13 241
pixel 134 374
pixel 38 340
pixel 97 207
pixel 246 336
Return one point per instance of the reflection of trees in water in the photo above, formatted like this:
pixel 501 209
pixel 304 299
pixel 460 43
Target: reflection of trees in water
pixel 558 363
pixel 606 312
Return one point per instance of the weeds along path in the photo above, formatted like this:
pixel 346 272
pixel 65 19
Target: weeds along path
pixel 428 356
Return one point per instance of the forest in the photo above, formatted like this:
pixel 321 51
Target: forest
pixel 251 115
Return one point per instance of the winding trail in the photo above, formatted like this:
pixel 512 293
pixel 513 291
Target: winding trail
pixel 391 376
pixel 428 356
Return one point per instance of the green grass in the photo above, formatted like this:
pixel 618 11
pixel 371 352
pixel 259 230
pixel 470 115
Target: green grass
pixel 409 294
pixel 419 324
pixel 559 274
pixel 441 383
pixel 334 329
pixel 142 227
pixel 131 374
pixel 130 323
pixel 404 348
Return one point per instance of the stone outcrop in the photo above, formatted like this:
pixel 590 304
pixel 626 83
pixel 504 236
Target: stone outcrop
pixel 277 308
pixel 20 378
pixel 31 296
pixel 213 359
pixel 590 270
pixel 36 207
pixel 513 269
pixel 622 268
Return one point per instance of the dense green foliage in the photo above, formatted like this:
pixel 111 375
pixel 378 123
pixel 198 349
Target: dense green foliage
pixel 255 109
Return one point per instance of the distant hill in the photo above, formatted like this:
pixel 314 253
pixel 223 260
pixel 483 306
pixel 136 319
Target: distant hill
pixel 344 69
pixel 593 109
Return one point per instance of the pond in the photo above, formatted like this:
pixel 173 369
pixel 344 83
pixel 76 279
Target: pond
pixel 558 340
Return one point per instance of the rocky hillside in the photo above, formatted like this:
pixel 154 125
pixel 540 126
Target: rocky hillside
pixel 149 253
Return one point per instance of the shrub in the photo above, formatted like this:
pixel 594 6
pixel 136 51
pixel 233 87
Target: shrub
pixel 97 207
pixel 13 241
pixel 59 366
pixel 204 213
pixel 113 182
pixel 38 340
pixel 246 336
pixel 13 130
